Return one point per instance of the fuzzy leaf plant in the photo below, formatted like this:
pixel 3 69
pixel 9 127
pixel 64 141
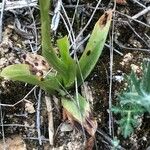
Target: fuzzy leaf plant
pixel 134 101
pixel 66 68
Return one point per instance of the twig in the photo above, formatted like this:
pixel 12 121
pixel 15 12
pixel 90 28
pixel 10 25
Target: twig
pixel 133 19
pixel 109 139
pixel 3 133
pixel 50 120
pixel 108 46
pixel 1 18
pixel 70 26
pixel 56 16
pixel 141 13
pixel 85 6
pixel 76 7
pixel 67 28
pixel 34 29
pixel 23 99
pixel 88 21
pixel 18 4
pixel 111 126
pixel 80 43
pixel 136 33
pixel 35 138
pixel 139 3
pixel 131 48
pixel 147 36
pixel 38 120
pixel 16 125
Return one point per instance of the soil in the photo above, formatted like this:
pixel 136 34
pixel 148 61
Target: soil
pixel 131 43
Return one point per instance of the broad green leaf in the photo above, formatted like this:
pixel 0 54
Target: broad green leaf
pixel 94 46
pixel 47 49
pixel 63 45
pixel 21 72
pixel 79 110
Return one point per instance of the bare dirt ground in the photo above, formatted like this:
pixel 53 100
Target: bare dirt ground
pixel 24 112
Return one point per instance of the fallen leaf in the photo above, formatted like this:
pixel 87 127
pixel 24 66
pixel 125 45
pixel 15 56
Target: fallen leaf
pixel 89 143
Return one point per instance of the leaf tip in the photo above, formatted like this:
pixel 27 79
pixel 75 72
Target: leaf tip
pixel 107 16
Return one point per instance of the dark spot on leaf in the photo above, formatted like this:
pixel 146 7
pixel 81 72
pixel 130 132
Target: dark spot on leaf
pixel 26 62
pixel 33 71
pixel 41 79
pixel 102 40
pixel 41 72
pixel 104 20
pixel 43 62
pixel 24 56
pixel 36 64
pixel 88 52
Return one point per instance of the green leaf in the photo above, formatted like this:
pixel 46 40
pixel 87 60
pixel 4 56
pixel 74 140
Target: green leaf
pixel 126 125
pixel 47 49
pixel 79 110
pixel 69 77
pixel 146 77
pixel 136 82
pixel 21 72
pixel 94 46
pixel 51 83
pixel 63 45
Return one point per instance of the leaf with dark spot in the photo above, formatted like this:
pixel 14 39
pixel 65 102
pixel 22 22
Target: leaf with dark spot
pixel 94 46
pixel 88 53
pixel 79 110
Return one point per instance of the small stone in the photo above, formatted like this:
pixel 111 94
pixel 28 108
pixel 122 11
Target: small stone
pixel 65 127
pixel 29 108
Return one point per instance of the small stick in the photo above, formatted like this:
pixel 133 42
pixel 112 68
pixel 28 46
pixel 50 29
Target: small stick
pixel 16 125
pixel 147 9
pixel 50 120
pixel 139 3
pixel 129 17
pixel 9 5
pixel 23 99
pixel 2 132
pixel 38 120
pixel 1 19
pixel 35 138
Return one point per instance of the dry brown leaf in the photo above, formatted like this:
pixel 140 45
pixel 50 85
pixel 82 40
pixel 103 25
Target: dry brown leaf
pixel 90 143
pixel 90 124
